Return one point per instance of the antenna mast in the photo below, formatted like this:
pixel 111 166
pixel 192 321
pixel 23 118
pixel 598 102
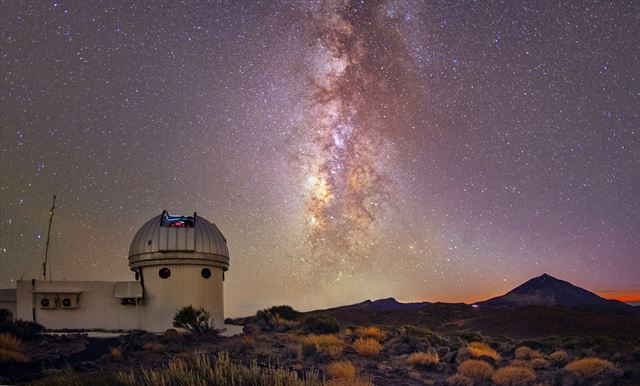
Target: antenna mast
pixel 46 251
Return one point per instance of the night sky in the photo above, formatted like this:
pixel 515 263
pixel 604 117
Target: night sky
pixel 347 150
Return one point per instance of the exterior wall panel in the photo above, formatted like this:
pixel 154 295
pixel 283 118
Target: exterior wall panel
pixel 97 307
pixel 185 286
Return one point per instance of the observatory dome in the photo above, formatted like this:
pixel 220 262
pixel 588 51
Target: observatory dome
pixel 181 239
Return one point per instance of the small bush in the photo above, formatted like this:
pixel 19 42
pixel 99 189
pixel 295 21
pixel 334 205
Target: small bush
pixel 328 344
pixel 9 342
pixel 423 358
pixel 367 347
pixel 370 332
pixel 513 376
pixel 522 352
pixel 470 336
pixel 341 370
pixel 321 324
pixel 284 312
pixel 521 363
pixel 198 321
pixel 478 349
pixel 349 382
pixel 21 329
pixel 476 370
pixel 459 380
pixel 10 350
pixel 589 367
pixel 247 341
pixel 538 363
pixel 559 357
pixel 116 353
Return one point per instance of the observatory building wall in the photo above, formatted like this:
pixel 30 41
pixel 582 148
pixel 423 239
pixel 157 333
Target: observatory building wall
pixel 78 304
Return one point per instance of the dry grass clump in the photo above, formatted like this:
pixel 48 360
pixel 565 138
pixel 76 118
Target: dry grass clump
pixel 476 370
pixel 459 380
pixel 370 332
pixel 478 349
pixel 10 350
pixel 513 376
pixel 367 347
pixel 560 357
pixel 116 353
pixel 247 341
pixel 348 382
pixel 521 363
pixel 589 367
pixel 524 352
pixel 9 342
pixel 155 347
pixel 538 363
pixel 331 345
pixel 341 370
pixel 200 370
pixel 423 358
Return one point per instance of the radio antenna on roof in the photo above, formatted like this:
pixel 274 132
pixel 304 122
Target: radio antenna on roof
pixel 46 251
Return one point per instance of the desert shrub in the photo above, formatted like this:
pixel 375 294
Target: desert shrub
pixel 423 358
pixel 284 312
pixel 10 356
pixel 471 336
pixel 155 347
pixel 513 376
pixel 341 370
pixel 10 350
pixel 349 382
pixel 476 370
pixel 116 353
pixel 521 363
pixel 247 341
pixel 321 324
pixel 367 347
pixel 199 321
pixel 459 380
pixel 589 367
pixel 200 370
pixel 538 363
pixel 328 344
pixel 9 342
pixel 478 349
pixel 522 352
pixel 559 357
pixel 370 332
pixel 22 329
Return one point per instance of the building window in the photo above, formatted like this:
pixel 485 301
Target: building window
pixel 164 273
pixel 206 273
pixel 44 302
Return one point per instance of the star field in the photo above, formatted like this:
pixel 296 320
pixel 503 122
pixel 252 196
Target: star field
pixel 347 150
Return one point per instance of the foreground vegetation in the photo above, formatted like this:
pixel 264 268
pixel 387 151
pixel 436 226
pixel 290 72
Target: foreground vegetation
pixel 283 347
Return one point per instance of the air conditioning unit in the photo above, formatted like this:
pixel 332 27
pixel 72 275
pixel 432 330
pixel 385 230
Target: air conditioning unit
pixel 48 302
pixel 69 301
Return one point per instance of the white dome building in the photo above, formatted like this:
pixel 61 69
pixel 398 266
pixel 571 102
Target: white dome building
pixel 180 261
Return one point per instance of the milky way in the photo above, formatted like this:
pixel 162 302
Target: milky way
pixel 346 169
pixel 346 149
